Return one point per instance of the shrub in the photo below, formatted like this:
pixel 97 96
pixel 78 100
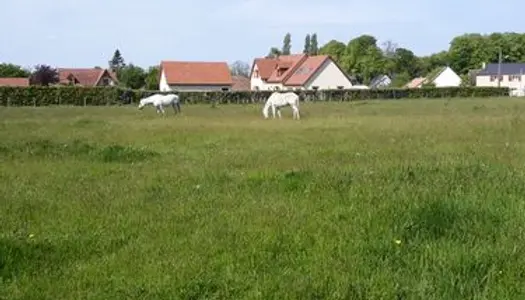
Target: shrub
pixel 79 96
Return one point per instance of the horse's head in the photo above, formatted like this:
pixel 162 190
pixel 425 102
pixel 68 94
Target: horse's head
pixel 142 103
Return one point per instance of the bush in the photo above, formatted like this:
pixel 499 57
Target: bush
pixel 79 96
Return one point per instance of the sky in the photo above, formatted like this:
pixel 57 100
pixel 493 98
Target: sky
pixel 66 33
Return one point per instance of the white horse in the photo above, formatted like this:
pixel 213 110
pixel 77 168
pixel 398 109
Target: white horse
pixel 278 100
pixel 159 101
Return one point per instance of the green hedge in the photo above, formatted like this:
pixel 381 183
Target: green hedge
pixel 66 95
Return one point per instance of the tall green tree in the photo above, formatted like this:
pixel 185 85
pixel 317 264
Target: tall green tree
pixel 117 61
pixel 314 46
pixel 287 44
pixel 307 44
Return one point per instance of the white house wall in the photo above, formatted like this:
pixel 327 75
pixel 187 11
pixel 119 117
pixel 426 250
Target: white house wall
pixel 484 81
pixel 447 78
pixel 163 84
pixel 328 76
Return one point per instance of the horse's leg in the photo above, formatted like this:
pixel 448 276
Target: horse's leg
pixel 279 112
pixel 273 111
pixel 296 113
pixel 178 107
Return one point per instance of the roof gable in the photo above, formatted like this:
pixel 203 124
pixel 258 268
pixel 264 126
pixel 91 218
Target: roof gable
pixel 435 74
pixel 84 76
pixel 286 65
pixel 196 73
pixel 506 69
pixel 306 69
pixel 379 79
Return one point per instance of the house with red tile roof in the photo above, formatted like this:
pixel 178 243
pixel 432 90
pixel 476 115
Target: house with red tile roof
pixel 14 81
pixel 240 83
pixel 87 77
pixel 195 76
pixel 298 72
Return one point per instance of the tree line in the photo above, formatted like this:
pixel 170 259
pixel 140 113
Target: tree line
pixel 361 57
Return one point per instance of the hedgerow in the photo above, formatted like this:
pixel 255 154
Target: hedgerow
pixel 83 96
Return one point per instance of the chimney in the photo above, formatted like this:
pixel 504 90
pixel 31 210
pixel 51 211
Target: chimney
pixel 483 65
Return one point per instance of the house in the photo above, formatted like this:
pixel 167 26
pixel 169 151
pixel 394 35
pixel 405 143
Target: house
pixel 298 72
pixel 87 77
pixel 14 81
pixel 415 83
pixel 380 81
pixel 439 77
pixel 240 83
pixel 195 76
pixel 512 75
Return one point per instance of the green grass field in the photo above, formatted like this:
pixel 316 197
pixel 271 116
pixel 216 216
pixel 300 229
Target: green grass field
pixel 408 199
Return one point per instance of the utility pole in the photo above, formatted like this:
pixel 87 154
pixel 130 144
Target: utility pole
pixel 499 68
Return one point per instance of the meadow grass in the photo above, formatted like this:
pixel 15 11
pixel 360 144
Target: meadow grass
pixel 408 199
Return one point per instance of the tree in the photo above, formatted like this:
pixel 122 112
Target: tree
pixel 274 53
pixel 287 44
pixel 117 62
pixel 44 75
pixel 132 76
pixel 335 49
pixel 152 78
pixel 240 68
pixel 307 44
pixel 12 70
pixel 314 47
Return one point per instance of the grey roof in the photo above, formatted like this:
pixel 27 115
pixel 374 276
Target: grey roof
pixel 506 69
pixel 377 80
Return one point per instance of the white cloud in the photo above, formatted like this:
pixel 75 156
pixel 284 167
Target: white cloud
pixel 294 13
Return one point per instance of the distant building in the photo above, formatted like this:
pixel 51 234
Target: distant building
pixel 512 75
pixel 298 72
pixel 195 76
pixel 439 77
pixel 87 77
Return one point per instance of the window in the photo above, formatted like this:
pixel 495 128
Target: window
pixel 225 89
pixel 340 87
pixel 495 78
pixel 514 77
pixel 315 88
pixel 256 74
pixel 276 88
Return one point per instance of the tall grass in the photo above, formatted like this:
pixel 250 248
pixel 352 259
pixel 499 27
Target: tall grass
pixel 368 200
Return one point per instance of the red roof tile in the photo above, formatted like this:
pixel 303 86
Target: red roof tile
pixel 196 73
pixel 266 66
pixel 240 83
pixel 14 81
pixel 306 70
pixel 286 66
pixel 295 69
pixel 86 77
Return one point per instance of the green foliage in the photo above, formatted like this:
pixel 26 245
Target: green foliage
pixel 287 44
pixel 152 78
pixel 132 76
pixel 314 45
pixel 307 44
pixel 70 95
pixel 12 70
pixel 117 62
